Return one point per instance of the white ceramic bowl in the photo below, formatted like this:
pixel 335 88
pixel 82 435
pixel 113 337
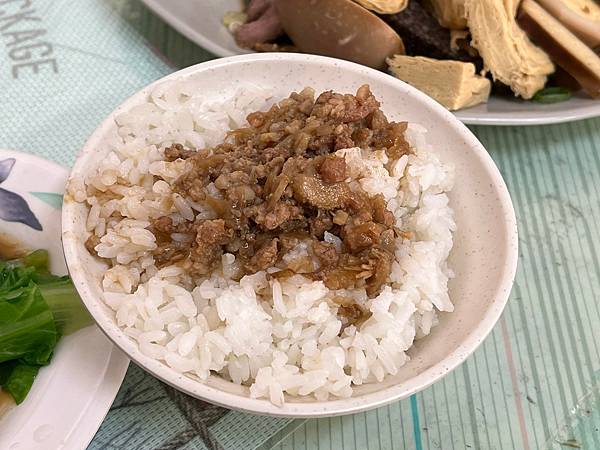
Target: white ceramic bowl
pixel 484 257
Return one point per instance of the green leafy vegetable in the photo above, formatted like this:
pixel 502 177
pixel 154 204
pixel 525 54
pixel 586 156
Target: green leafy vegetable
pixel 12 278
pixel 27 329
pixel 39 260
pixel 17 378
pixel 69 313
pixel 36 309
pixel 552 95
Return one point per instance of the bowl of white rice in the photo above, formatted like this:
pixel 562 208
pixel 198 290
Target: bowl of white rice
pixel 289 334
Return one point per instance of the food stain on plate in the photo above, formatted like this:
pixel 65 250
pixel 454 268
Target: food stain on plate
pixel 6 403
pixel 11 248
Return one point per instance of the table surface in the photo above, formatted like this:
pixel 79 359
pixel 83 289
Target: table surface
pixel 533 384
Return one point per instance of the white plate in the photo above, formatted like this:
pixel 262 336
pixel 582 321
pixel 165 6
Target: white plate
pixel 201 22
pixel 71 396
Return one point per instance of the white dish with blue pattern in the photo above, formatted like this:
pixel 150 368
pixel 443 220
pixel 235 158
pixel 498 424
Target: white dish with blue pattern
pixel 71 396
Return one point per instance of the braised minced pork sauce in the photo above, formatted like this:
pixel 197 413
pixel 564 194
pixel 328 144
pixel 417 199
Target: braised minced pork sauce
pixel 277 182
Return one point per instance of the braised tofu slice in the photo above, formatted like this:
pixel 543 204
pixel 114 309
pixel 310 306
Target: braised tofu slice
pixel 454 84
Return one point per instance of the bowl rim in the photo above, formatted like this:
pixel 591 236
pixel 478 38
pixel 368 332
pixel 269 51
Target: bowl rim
pixel 332 407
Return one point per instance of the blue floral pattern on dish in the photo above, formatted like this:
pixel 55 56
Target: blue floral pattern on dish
pixel 13 207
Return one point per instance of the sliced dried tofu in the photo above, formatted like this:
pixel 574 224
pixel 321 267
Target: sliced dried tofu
pixel 507 52
pixel 566 49
pixel 449 13
pixel 454 84
pixel 582 17
pixel 512 6
pixel 384 6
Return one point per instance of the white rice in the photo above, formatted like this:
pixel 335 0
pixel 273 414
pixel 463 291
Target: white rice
pixel 274 337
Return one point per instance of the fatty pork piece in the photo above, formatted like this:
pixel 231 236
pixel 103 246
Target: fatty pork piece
pixel 263 25
pixel 507 52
